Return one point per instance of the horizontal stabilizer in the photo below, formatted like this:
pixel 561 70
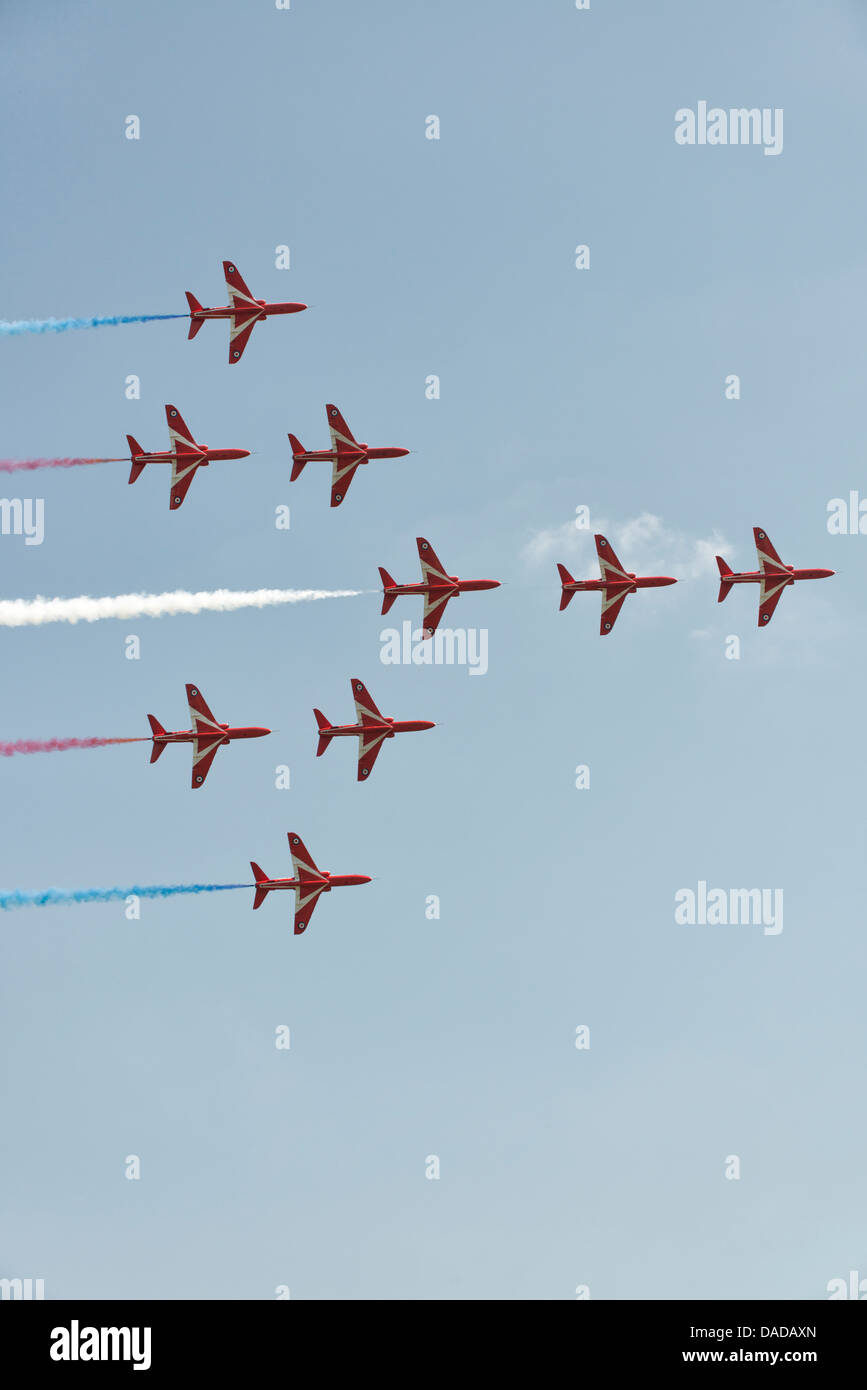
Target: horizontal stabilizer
pixel 565 578
pixel 262 881
pixel 297 463
pixel 387 583
pixel 157 730
pixel 725 582
pixel 134 448
pixel 325 732
pixel 195 308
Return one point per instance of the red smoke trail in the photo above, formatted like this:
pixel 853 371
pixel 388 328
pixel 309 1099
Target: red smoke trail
pixel 26 465
pixel 59 745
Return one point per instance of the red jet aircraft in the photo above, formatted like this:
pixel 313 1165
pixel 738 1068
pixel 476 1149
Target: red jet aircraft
pixel 345 455
pixel 183 453
pixel 242 311
pixel 308 883
pixel 615 584
pixel 206 735
pixel 437 586
pixel 372 728
pixel 772 575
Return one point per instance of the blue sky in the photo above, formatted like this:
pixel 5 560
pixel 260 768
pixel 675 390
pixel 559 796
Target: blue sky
pixel 604 387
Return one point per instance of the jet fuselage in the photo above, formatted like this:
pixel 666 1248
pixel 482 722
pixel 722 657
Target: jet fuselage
pixel 324 879
pixel 363 454
pixel 190 735
pixel 456 587
pixel 629 586
pixel 756 576
pixel 226 311
pixel 202 456
pixel 391 726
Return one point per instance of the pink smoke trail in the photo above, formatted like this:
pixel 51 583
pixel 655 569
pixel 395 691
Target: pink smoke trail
pixel 59 745
pixel 26 465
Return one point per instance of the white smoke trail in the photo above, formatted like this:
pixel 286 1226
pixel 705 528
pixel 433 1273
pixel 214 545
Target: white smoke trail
pixel 32 612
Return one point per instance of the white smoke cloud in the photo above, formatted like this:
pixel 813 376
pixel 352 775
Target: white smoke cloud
pixel 643 544
pixel 26 612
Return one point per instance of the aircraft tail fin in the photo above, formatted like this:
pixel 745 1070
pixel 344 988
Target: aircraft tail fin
pixel 157 730
pixel 325 733
pixel 725 582
pixel 262 881
pixel 567 594
pixel 387 583
pixel 134 448
pixel 297 463
pixel 195 308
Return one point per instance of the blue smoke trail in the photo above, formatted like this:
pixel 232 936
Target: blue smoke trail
pixel 49 897
pixel 10 329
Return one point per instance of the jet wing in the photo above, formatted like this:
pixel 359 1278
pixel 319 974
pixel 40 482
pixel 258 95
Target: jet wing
pixel 769 560
pixel 775 576
pixel 432 571
pixel 770 592
pixel 612 602
pixel 181 442
pixel 310 882
pixel 180 435
pixel 201 718
pixel 240 328
pixel 306 898
pixel 434 574
pixel 434 608
pixel 239 293
pixel 204 753
pixel 369 744
pixel 303 866
pixel 342 438
pixel 365 706
pixel 342 473
pixel 347 455
pixel 609 565
pixel 182 476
